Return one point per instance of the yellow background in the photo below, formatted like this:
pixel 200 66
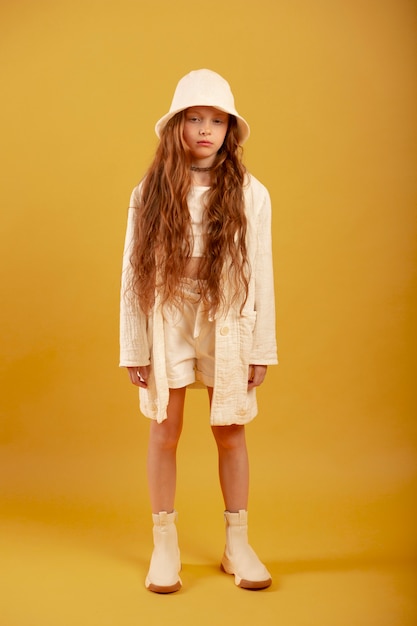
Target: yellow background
pixel 329 88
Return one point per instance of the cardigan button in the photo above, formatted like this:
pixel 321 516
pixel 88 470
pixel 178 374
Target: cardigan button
pixel 224 331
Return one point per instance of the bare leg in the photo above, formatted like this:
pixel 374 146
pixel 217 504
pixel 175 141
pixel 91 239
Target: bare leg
pixel 162 454
pixel 233 464
pixel 239 558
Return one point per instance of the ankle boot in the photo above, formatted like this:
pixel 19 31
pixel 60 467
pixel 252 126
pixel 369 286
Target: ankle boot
pixel 239 558
pixel 163 575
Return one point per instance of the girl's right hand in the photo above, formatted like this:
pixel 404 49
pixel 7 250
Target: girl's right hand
pixel 139 375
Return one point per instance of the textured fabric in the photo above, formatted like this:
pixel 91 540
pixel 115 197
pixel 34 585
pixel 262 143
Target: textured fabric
pixel 241 339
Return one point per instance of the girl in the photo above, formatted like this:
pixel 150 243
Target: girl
pixel 197 307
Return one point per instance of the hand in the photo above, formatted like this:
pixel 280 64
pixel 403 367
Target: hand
pixel 139 375
pixel 256 375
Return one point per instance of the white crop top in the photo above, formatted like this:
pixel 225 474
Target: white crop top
pixel 196 208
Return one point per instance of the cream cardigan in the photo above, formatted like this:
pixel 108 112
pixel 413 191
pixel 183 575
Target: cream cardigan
pixel 241 339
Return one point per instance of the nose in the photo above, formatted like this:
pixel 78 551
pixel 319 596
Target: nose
pixel 205 130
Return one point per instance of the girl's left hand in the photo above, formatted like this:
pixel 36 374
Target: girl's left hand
pixel 256 375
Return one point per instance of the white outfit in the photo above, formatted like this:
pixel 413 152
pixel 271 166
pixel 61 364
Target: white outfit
pixel 241 339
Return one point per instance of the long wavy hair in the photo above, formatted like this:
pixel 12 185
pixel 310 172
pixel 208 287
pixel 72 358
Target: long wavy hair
pixel 163 242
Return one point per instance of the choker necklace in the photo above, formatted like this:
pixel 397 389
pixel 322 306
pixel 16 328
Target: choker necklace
pixel 194 168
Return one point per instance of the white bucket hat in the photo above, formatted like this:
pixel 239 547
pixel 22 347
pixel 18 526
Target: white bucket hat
pixel 204 88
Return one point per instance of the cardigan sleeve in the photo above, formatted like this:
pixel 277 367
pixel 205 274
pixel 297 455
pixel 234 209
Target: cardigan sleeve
pixel 134 344
pixel 264 348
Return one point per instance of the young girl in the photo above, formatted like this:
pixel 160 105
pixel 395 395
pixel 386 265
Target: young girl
pixel 198 308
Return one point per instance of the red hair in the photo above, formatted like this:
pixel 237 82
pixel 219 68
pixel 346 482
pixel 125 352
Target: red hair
pixel 163 245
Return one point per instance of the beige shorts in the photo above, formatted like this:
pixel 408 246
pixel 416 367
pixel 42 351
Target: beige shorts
pixel 189 340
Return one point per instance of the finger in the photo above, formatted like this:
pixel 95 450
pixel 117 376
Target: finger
pixel 251 377
pixel 141 382
pixel 257 376
pixel 140 379
pixel 135 377
pixel 144 373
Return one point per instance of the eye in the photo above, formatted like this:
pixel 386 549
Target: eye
pixel 193 118
pixel 218 121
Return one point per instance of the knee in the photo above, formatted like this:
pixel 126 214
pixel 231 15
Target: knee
pixel 164 436
pixel 229 437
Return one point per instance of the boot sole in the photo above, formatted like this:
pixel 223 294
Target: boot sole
pixel 167 589
pixel 247 584
pixel 255 584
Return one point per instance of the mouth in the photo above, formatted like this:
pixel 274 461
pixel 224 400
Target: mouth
pixel 204 143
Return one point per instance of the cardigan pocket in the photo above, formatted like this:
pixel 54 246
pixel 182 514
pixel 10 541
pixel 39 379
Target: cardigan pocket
pixel 249 317
pixel 246 324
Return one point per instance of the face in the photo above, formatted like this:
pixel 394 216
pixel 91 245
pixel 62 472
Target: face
pixel 204 131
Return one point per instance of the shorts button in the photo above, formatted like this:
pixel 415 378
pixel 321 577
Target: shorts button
pixel 224 331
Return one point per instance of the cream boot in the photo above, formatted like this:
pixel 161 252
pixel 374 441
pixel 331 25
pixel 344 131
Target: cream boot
pixel 239 558
pixel 163 575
